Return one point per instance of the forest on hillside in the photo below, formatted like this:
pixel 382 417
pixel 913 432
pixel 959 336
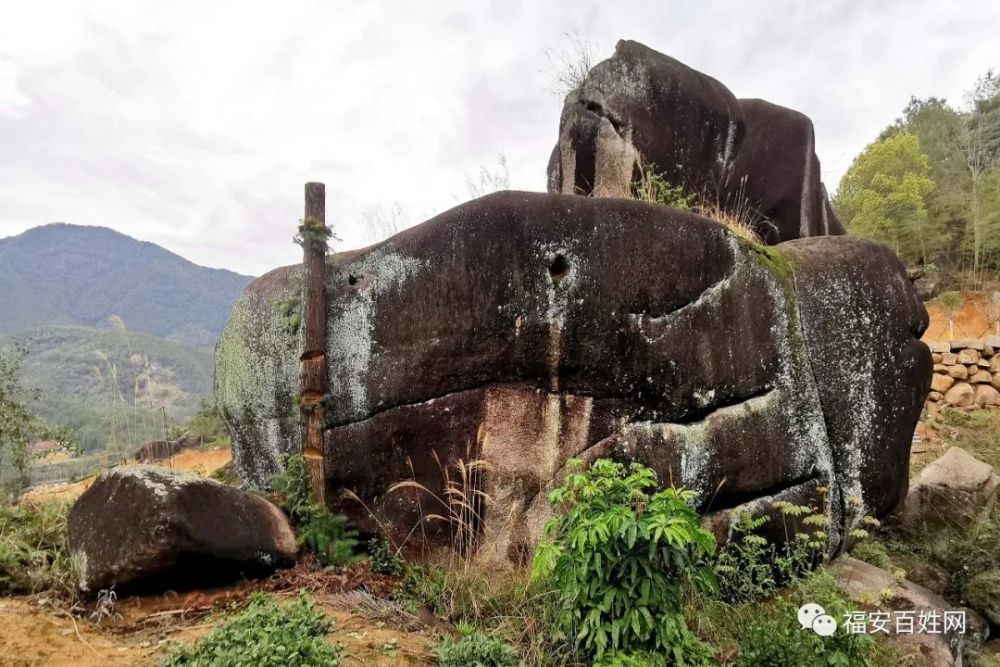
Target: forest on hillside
pixel 929 185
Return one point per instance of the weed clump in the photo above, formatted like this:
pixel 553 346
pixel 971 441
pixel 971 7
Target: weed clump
pixel 476 650
pixel 385 559
pixel 266 634
pixel 319 530
pixel 34 552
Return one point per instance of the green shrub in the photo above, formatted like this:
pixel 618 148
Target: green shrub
pixel 385 559
pixel 476 650
pixel 34 554
pixel 872 552
pixel 620 558
pixel 750 567
pixel 654 187
pixel 266 634
pixel 319 530
pixel 775 639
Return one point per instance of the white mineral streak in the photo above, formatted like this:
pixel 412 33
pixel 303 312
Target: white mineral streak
pixel 560 292
pixel 351 324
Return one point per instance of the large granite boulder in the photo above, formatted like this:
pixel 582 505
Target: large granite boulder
pixel 146 527
pixel 525 329
pixel 641 108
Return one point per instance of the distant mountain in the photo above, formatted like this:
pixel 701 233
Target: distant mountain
pixel 104 382
pixel 62 274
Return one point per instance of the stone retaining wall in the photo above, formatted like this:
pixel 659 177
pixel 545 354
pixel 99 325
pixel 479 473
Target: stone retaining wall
pixel 966 372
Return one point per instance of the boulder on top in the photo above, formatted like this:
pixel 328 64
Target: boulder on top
pixel 953 490
pixel 146 527
pixel 642 110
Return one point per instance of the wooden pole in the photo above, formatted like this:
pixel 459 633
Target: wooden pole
pixel 313 372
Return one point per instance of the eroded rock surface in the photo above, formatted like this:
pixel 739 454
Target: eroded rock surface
pixel 148 527
pixel 525 329
pixel 641 109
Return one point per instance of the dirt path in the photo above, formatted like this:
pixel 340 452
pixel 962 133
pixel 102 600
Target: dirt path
pixel 38 635
pixel 201 461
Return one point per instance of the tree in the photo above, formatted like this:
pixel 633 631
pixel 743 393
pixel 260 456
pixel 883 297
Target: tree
pixel 883 197
pixel 940 129
pixel 18 425
pixel 981 146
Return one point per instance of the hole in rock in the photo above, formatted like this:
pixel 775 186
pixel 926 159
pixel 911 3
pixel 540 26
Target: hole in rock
pixel 558 268
pixel 352 279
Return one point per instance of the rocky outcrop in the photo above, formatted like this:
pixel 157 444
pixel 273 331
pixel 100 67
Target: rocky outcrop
pixel 864 583
pixel 642 110
pixel 154 528
pixel 953 490
pixel 525 329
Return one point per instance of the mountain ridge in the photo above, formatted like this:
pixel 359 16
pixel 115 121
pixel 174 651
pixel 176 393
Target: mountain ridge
pixel 66 274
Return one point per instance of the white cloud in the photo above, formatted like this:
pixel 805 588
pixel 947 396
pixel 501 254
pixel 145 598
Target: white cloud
pixel 194 125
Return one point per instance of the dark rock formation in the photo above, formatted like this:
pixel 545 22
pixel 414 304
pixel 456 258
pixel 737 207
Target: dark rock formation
pixel 159 450
pixel 525 329
pixel 927 283
pixel 642 109
pixel 154 528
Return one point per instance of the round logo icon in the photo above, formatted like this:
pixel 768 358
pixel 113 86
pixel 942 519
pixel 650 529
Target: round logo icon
pixel 808 613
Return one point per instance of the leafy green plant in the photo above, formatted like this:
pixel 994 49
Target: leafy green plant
pixel 34 553
pixel 750 567
pixel 621 558
pixel 872 552
pixel 266 634
pixel 385 559
pixel 313 233
pixel 654 187
pixel 775 639
pixel 476 650
pixel 319 530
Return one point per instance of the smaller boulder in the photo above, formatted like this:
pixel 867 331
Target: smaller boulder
pixel 961 395
pixel 939 346
pixel 968 356
pixel 953 490
pixel 949 358
pixel 987 395
pixel 862 582
pixel 995 364
pixel 941 383
pixel 983 594
pixel 958 372
pixel 151 528
pixel 981 377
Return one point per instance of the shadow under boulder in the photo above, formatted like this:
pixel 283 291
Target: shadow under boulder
pixel 144 528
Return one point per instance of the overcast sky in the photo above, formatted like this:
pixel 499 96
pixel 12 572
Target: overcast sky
pixel 194 125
